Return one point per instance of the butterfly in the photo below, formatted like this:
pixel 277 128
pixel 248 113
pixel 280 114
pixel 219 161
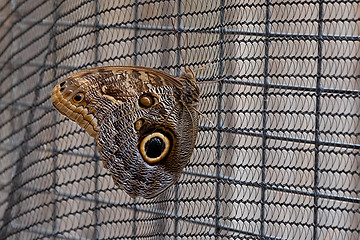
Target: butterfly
pixel 144 120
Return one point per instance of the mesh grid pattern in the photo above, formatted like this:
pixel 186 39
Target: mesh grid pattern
pixel 281 160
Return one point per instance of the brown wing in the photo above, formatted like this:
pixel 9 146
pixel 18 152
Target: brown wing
pixel 124 82
pixel 143 119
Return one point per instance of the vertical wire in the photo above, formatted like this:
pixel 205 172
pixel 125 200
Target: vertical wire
pixel 136 33
pixel 179 31
pixel 54 129
pixel 219 121
pixel 264 119
pixel 317 119
pixel 97 170
pixel 176 201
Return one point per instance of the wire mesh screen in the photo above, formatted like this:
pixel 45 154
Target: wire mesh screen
pixel 277 154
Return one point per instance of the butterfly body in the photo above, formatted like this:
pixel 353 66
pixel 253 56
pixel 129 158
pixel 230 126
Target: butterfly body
pixel 144 121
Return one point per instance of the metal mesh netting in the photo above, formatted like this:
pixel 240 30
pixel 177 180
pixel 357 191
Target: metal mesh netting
pixel 280 161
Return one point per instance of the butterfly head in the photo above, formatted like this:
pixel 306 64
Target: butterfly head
pixel 190 89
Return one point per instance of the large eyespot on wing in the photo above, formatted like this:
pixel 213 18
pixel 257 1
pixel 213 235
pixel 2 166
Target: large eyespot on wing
pixel 154 147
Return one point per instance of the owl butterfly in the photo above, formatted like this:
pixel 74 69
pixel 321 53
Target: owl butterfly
pixel 145 122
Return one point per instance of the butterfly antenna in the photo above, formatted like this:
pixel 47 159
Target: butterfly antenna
pixel 203 67
pixel 178 40
pixel 204 116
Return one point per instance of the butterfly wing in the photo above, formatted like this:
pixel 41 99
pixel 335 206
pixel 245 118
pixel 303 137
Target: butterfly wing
pixel 143 119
